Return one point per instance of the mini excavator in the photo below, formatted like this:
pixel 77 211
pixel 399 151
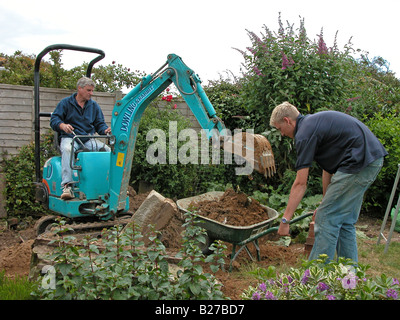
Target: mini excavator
pixel 102 177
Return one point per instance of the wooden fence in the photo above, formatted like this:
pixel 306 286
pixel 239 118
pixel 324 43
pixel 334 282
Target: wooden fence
pixel 17 112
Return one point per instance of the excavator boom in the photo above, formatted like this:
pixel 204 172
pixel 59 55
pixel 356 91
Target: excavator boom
pixel 128 112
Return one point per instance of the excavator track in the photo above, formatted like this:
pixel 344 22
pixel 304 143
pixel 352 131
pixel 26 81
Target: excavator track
pixel 46 227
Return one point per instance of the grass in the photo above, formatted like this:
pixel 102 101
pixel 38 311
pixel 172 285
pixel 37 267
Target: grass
pixel 19 288
pixel 381 263
pixel 368 251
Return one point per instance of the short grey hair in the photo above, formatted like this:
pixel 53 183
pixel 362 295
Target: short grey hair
pixel 85 81
pixel 283 110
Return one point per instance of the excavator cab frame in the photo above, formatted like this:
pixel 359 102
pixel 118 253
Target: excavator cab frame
pixel 36 78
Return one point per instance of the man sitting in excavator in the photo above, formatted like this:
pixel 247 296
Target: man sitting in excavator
pixel 78 114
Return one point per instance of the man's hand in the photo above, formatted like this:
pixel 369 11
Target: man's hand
pixel 283 229
pixel 107 131
pixel 67 128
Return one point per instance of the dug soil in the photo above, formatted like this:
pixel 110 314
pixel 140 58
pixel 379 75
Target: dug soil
pixel 233 208
pixel 16 243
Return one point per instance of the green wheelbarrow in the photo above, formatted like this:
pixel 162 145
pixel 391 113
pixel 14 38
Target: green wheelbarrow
pixel 238 236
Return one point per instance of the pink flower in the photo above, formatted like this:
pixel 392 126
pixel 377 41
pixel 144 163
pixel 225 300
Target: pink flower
pixel 285 61
pixel 257 71
pixel 349 281
pixel 322 48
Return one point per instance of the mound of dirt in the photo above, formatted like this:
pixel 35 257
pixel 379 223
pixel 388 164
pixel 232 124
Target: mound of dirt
pixel 15 260
pixel 233 208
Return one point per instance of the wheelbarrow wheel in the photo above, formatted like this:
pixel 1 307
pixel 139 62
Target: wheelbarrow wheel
pixel 205 247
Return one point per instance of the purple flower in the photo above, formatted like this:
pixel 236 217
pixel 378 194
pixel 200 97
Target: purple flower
pixel 257 71
pixel 306 275
pixel 322 286
pixel 392 294
pixel 256 296
pixel 262 287
pixel 251 50
pixel 322 48
pixel 330 297
pixel 349 281
pixel 255 37
pixel 270 296
pixel 285 61
pixel 395 281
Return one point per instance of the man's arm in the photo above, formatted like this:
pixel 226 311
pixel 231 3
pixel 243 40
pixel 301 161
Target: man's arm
pixel 326 180
pixel 57 117
pixel 297 192
pixel 99 123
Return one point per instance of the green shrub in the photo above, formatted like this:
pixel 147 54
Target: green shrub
pixel 122 269
pixel 19 171
pixel 178 180
pixel 169 179
pixel 387 129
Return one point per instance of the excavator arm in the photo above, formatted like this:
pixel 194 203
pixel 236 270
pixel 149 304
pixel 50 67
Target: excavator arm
pixel 128 112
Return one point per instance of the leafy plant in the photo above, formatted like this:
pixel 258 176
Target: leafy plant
pixel 174 178
pixel 167 178
pixel 387 129
pixel 120 267
pixel 19 171
pixel 322 280
pixel 278 201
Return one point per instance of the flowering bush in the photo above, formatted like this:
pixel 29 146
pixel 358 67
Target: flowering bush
pixel 168 98
pixel 320 280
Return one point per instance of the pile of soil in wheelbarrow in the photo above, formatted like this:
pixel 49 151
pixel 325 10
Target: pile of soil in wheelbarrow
pixel 233 208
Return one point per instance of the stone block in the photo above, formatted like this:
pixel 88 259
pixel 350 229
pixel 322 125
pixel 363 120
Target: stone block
pixel 156 211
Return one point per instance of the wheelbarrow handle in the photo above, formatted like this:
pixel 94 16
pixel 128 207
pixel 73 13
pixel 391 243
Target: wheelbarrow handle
pixel 301 217
pixel 273 229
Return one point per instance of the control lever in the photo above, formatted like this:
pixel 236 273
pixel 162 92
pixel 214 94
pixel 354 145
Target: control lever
pixel 80 141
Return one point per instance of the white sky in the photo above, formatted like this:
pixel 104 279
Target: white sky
pixel 140 34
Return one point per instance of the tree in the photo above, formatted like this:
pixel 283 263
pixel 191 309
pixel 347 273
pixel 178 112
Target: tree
pixel 19 69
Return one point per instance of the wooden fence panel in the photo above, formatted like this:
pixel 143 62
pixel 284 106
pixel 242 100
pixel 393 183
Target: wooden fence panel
pixel 17 119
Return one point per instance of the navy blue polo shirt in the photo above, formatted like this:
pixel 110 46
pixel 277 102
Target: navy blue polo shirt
pixel 336 141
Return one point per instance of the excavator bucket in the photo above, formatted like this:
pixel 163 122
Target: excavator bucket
pixel 255 149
